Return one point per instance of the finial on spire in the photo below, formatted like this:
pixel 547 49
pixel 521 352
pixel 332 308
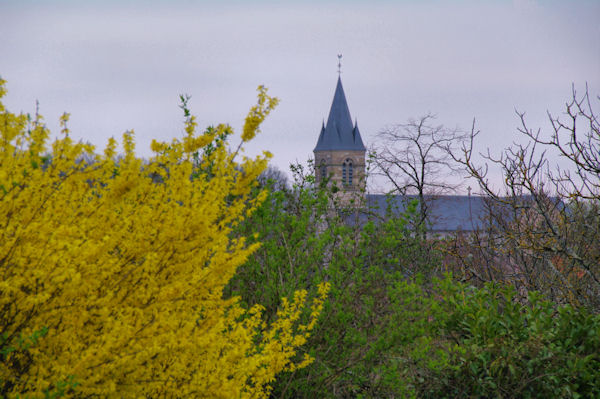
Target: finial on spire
pixel 339 64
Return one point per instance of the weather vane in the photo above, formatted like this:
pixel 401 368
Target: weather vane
pixel 339 64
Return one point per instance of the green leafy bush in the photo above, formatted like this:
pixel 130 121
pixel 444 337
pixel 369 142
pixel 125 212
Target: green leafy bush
pixel 463 341
pixel 306 240
pixel 391 329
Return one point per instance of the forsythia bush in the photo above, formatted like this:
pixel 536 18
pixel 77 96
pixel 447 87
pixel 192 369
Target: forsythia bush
pixel 112 269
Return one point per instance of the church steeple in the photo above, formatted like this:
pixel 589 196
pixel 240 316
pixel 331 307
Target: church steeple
pixel 340 152
pixel 339 133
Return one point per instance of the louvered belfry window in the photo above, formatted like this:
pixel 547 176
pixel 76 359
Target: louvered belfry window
pixel 347 172
pixel 323 168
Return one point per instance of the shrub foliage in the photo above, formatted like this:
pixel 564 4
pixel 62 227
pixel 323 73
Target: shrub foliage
pixel 183 276
pixel 393 325
pixel 112 269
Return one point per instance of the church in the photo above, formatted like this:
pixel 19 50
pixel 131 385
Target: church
pixel 339 158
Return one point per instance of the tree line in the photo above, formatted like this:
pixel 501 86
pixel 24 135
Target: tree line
pixel 199 274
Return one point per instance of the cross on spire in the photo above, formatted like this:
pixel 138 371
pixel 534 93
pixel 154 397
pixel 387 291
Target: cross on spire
pixel 339 64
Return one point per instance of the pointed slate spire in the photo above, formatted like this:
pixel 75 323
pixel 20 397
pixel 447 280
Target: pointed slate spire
pixel 339 134
pixel 356 135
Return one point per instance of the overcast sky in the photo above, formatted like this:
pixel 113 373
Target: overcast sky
pixel 121 65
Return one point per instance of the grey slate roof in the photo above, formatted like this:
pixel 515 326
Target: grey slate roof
pixel 447 212
pixel 339 134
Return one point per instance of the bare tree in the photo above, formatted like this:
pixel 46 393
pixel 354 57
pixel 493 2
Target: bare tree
pixel 544 224
pixel 274 178
pixel 413 157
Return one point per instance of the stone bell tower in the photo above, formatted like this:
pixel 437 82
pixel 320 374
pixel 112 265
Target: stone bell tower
pixel 340 152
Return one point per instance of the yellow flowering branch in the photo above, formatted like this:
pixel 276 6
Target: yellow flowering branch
pixel 124 271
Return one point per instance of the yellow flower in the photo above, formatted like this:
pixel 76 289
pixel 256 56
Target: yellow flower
pixel 258 113
pixel 124 271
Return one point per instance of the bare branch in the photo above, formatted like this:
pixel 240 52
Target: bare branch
pixel 544 229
